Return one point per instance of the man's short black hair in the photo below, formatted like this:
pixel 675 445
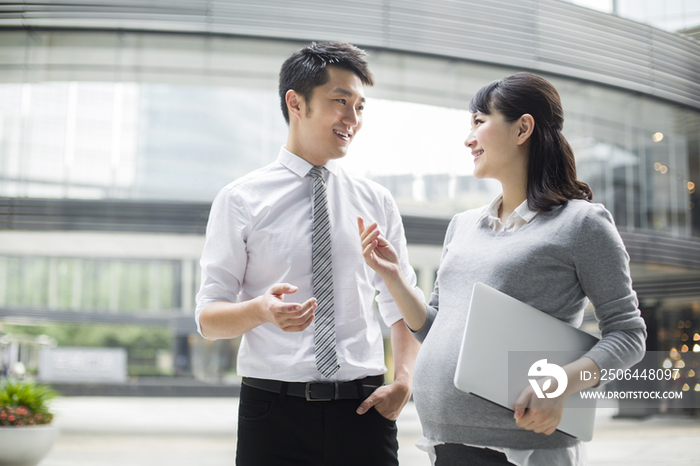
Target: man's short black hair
pixel 306 69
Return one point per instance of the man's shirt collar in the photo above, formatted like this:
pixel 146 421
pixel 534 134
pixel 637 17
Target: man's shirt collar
pixel 300 166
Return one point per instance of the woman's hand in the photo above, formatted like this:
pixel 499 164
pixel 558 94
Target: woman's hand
pixel 381 256
pixel 378 253
pixel 540 415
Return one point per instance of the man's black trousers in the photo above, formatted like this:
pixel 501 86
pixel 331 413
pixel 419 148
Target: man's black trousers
pixel 278 429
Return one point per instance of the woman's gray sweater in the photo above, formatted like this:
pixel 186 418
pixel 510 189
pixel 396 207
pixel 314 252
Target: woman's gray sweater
pixel 555 263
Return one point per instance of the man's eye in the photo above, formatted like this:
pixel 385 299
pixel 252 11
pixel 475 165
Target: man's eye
pixel 342 101
pixel 361 107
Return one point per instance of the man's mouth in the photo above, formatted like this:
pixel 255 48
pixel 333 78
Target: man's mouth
pixel 345 136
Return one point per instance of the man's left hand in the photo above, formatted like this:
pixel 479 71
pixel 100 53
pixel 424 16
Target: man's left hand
pixel 388 400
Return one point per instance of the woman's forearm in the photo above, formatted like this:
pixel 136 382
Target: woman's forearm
pixel 411 306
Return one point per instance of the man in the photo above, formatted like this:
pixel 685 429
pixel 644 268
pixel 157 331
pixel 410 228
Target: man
pixel 312 363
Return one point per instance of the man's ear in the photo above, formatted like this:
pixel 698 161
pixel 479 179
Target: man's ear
pixel 526 125
pixel 294 102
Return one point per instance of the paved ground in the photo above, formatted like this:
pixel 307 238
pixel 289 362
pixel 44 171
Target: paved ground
pixel 116 431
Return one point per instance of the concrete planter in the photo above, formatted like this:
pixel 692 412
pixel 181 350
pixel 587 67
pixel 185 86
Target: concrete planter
pixel 26 446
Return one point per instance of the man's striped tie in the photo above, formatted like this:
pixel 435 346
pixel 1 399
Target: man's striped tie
pixel 324 326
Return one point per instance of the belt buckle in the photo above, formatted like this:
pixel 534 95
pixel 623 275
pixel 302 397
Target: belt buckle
pixel 307 392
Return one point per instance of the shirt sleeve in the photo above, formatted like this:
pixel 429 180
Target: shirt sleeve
pixel 224 257
pixel 602 266
pixel 434 304
pixel 397 237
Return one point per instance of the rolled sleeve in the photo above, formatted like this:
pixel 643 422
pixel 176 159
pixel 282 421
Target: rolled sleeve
pixel 224 257
pixel 434 304
pixel 396 235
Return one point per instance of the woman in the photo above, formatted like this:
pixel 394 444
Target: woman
pixel 541 241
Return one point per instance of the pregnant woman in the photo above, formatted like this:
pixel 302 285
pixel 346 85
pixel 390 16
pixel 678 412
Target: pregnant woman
pixel 543 242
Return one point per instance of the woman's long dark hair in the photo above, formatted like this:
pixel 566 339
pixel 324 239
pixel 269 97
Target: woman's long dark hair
pixel 551 168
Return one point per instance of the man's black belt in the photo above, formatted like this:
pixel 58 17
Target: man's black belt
pixel 320 391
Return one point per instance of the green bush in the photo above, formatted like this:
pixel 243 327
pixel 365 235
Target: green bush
pixel 24 403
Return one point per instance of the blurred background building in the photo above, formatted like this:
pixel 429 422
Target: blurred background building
pixel 120 121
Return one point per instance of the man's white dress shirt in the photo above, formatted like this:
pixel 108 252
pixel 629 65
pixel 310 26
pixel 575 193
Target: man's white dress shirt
pixel 259 234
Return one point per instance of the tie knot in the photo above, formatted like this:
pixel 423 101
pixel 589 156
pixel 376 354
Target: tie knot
pixel 317 172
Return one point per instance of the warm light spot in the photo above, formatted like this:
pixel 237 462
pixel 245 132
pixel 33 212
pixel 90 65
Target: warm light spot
pixel 696 337
pixel 691 373
pixel 684 337
pixel 681 324
pixel 688 324
pixel 657 166
pixel 663 169
pixel 675 354
pixel 684 349
pixel 696 348
pixel 697 387
pixel 691 187
pixel 657 137
pixel 686 387
pixel 680 364
pixel 667 363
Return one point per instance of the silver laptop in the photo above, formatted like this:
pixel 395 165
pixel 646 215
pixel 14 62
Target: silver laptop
pixel 504 344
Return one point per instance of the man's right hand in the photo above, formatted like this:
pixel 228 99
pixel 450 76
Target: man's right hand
pixel 290 317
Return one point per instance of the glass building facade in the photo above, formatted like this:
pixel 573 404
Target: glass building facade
pixel 126 119
pixel 169 142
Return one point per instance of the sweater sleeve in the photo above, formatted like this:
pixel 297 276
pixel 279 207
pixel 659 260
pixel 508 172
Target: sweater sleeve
pixel 433 305
pixel 602 266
